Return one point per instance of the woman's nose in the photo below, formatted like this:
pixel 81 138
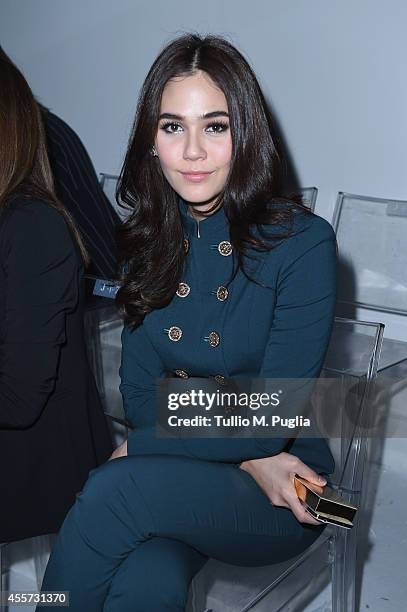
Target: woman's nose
pixel 194 147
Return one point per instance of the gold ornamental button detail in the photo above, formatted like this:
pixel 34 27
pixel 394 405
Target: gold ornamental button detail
pixel 186 245
pixel 214 339
pixel 183 290
pixel 221 380
pixel 225 248
pixel 181 373
pixel 222 293
pixel 175 333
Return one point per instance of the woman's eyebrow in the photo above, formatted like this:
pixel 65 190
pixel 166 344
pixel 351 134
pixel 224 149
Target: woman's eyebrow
pixel 210 115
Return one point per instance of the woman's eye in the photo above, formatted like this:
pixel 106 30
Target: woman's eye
pixel 217 128
pixel 171 128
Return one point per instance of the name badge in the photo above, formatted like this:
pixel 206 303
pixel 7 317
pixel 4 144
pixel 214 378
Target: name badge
pixel 105 288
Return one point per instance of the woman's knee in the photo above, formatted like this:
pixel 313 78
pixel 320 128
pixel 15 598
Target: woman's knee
pixel 112 477
pixel 111 492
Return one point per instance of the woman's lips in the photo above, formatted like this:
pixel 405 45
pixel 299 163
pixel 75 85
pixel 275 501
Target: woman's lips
pixel 195 177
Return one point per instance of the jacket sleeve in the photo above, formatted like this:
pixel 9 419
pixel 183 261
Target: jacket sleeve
pixel 41 268
pixel 301 330
pixel 296 348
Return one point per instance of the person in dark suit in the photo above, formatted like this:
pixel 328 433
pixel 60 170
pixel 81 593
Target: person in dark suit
pixel 221 280
pixel 77 187
pixel 52 428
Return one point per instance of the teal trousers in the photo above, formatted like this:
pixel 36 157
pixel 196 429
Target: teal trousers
pixel 143 526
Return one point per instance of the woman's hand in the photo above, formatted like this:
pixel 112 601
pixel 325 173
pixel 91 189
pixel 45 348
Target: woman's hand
pixel 121 451
pixel 275 476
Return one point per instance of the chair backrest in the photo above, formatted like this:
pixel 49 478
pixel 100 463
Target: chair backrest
pixel 349 371
pixel 347 379
pixel 371 240
pixel 309 195
pixel 108 182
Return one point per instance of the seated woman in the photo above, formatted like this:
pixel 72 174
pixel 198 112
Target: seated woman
pixel 221 280
pixel 52 428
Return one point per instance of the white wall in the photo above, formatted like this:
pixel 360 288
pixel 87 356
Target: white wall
pixel 334 72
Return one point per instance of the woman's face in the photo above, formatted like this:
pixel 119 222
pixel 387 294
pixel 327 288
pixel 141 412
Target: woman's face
pixel 193 140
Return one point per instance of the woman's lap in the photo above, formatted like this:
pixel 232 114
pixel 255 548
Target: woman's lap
pixel 214 507
pixel 191 509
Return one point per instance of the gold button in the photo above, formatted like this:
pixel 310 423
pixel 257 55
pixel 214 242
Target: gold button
pixel 186 245
pixel 181 373
pixel 183 290
pixel 225 248
pixel 222 293
pixel 220 379
pixel 175 333
pixel 214 339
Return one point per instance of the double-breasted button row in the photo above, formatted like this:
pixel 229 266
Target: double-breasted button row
pixel 220 379
pixel 221 292
pixel 174 333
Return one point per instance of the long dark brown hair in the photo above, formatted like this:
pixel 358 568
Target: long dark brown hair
pixel 150 242
pixel 24 165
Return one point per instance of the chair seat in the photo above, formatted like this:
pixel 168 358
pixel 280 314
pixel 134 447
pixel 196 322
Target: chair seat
pixel 230 588
pixel 354 352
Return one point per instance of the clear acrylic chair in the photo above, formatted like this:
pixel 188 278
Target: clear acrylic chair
pixel 372 273
pixel 103 328
pixel 221 587
pixel 309 195
pixel 35 551
pixel 108 182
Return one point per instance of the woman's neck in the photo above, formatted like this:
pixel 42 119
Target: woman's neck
pixel 196 214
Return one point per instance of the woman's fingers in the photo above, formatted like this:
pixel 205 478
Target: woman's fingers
pixel 120 451
pixel 300 513
pixel 306 472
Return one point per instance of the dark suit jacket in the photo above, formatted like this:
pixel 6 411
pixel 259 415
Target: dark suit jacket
pixel 78 188
pixel 52 429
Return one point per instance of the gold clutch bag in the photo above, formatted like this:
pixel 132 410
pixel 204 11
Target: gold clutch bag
pixel 324 503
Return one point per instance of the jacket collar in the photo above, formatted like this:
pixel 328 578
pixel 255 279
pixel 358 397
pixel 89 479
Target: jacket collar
pixel 217 223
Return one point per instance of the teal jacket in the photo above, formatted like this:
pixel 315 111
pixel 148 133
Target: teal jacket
pixel 245 330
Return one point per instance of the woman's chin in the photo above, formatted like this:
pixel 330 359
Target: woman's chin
pixel 202 200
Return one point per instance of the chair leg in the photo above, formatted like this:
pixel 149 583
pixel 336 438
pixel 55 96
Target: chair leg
pixel 344 570
pixel 42 546
pixel 93 343
pixel 3 580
